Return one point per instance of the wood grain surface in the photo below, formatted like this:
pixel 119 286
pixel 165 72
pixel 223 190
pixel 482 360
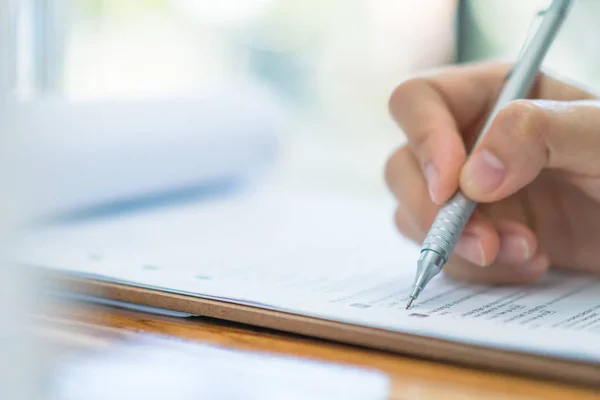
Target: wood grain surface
pixel 90 325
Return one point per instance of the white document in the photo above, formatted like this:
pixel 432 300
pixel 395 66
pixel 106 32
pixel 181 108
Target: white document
pixel 161 368
pixel 333 257
pixel 89 155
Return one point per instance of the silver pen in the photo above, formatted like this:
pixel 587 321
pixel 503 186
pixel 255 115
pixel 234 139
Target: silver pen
pixel 451 219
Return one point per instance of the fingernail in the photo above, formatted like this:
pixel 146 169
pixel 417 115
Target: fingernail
pixel 485 171
pixel 514 249
pixel 534 266
pixel 469 247
pixel 431 176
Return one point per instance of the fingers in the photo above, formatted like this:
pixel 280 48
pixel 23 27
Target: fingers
pixel 432 136
pixel 408 185
pixel 438 113
pixel 500 273
pixel 433 111
pixel 528 136
pixel 507 250
pixel 479 244
pixel 518 244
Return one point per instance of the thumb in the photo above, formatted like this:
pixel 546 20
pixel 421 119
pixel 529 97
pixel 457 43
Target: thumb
pixel 528 136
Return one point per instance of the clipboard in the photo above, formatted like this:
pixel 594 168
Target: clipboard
pixel 97 259
pixel 437 349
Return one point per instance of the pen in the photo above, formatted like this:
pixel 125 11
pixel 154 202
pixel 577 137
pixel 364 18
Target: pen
pixel 451 219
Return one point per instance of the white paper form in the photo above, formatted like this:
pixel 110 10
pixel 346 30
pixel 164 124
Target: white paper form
pixel 327 256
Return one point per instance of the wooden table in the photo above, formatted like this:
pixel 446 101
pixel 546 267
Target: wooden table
pixel 89 325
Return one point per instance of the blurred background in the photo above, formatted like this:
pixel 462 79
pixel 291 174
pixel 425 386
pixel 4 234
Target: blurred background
pixel 127 95
pixel 330 66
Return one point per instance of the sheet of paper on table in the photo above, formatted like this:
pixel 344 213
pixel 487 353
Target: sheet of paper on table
pixel 329 256
pixel 156 367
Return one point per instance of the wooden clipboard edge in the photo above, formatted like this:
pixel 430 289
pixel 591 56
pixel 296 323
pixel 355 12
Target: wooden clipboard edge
pixel 535 366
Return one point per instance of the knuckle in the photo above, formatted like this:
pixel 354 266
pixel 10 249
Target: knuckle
pixel 401 222
pixel 393 165
pixel 524 120
pixel 404 225
pixel 411 221
pixel 403 92
pixel 460 269
pixel 422 222
pixel 423 143
pixel 390 168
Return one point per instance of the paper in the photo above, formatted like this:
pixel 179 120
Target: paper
pixel 119 304
pixel 99 155
pixel 161 368
pixel 326 256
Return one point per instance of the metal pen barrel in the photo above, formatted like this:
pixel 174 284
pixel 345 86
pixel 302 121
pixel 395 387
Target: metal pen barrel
pixel 451 219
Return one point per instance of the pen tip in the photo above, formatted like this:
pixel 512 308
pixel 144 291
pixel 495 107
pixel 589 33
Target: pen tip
pixel 410 302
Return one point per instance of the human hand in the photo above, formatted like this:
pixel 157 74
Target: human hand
pixel 536 174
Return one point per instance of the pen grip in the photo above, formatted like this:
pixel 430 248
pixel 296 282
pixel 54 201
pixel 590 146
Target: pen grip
pixel 448 225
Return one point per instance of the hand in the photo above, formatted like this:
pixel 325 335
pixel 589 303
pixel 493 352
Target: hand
pixel 536 173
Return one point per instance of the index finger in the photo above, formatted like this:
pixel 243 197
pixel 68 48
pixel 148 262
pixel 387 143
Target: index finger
pixel 433 111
